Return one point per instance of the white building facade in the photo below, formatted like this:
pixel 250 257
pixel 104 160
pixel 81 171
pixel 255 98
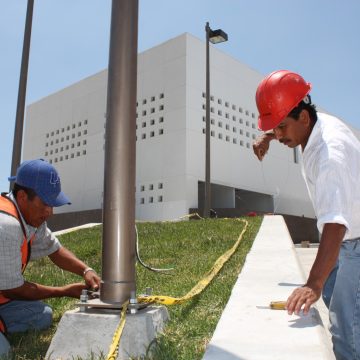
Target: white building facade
pixel 67 128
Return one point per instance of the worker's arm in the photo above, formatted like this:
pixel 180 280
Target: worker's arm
pixel 66 260
pixel 325 261
pixel 33 291
pixel 262 143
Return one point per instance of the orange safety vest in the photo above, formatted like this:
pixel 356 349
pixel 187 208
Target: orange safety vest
pixel 8 207
pixel 2 326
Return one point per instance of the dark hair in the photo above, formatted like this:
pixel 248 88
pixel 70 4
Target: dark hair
pixel 304 105
pixel 29 192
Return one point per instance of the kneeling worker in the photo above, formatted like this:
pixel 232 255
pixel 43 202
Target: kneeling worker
pixel 25 236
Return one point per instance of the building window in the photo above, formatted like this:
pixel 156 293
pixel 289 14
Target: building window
pixel 161 131
pixel 152 134
pixel 152 122
pixel 153 98
pixel 203 106
pixel 211 97
pixel 142 188
pixel 220 136
pixel 226 104
pixel 84 152
pixel 161 119
pixel 219 112
pixel 219 101
pixel 212 133
pixel 233 107
pixel 151 187
pixel 234 129
pixel 79 123
pixel 84 142
pixel 47 135
pixel 151 199
pixel 85 122
pixel 161 96
pixel 143 124
pixel 227 127
pixel 203 95
pixel 161 107
pixel 227 138
pixel 220 124
pixel 152 110
pixel 144 112
pixel 143 136
pixel 203 130
pixel 241 143
pixel 160 198
pixel 234 141
pixel 160 185
pixel 226 115
pixel 144 101
pixel 85 132
pixel 240 109
pixel 247 112
pixel 142 201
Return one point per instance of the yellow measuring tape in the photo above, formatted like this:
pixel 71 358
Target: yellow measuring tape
pixel 114 347
pixel 168 300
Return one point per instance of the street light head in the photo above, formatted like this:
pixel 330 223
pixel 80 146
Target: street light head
pixel 217 36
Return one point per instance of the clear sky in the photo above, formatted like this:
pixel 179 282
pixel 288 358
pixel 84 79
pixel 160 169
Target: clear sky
pixel 70 41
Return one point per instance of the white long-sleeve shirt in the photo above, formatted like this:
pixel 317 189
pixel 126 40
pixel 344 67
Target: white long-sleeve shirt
pixel 331 168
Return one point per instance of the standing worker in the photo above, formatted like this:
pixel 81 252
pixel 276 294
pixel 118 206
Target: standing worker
pixel 331 168
pixel 25 236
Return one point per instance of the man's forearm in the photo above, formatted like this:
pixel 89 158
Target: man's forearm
pixel 33 291
pixel 66 260
pixel 327 255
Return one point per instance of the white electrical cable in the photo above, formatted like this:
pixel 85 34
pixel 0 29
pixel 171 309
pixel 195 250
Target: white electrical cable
pixel 141 262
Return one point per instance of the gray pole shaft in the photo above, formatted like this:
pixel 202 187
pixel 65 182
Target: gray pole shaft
pixel 118 253
pixel 20 109
pixel 207 200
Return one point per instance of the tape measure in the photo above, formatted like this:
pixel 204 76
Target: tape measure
pixel 168 300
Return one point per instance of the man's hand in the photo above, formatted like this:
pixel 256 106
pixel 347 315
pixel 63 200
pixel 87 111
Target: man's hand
pixel 74 290
pixel 261 145
pixel 303 296
pixel 92 280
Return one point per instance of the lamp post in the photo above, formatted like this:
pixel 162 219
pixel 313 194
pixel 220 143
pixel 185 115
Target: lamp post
pixel 20 108
pixel 215 37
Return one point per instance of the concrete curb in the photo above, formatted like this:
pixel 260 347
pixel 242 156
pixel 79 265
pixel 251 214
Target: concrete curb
pixel 248 329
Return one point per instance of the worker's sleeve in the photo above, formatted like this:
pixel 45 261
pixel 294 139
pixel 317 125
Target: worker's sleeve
pixel 11 237
pixel 335 182
pixel 44 244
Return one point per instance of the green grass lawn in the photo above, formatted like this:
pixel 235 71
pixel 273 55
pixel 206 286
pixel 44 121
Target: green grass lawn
pixel 191 247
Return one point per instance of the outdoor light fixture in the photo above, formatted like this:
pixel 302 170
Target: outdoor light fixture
pixel 215 37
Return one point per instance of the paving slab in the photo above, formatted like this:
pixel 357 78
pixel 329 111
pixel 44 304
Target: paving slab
pixel 248 329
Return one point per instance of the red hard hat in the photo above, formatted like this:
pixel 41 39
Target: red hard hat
pixel 277 94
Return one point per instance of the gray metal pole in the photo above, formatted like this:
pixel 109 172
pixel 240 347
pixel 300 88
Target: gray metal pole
pixel 207 192
pixel 20 108
pixel 118 253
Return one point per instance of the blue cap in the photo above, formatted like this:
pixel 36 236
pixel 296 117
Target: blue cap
pixel 42 177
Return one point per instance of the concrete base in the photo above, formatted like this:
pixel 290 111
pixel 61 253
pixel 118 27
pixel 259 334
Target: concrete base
pixel 89 334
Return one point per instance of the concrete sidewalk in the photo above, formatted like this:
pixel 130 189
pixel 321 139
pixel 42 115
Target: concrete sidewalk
pixel 248 329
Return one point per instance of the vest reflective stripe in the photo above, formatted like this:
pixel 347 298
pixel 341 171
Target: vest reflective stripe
pixel 9 208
